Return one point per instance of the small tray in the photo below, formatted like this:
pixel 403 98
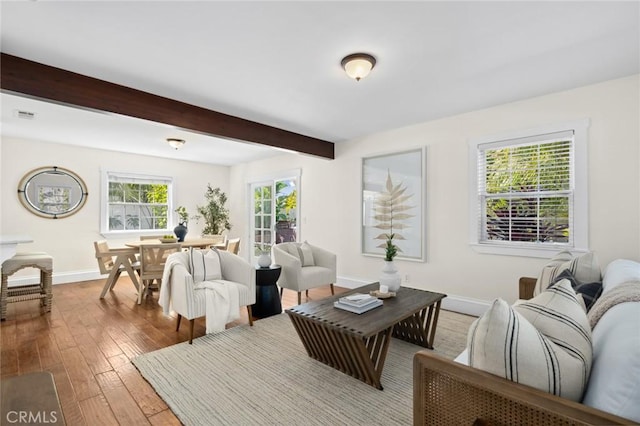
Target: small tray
pixel 168 240
pixel 376 293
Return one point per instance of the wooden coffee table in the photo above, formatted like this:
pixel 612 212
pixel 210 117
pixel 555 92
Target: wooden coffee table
pixel 357 344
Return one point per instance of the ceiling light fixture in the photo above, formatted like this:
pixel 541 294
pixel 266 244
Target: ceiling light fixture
pixel 175 143
pixel 358 65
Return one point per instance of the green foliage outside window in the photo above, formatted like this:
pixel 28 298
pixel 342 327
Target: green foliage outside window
pixel 528 193
pixel 135 206
pixel 285 203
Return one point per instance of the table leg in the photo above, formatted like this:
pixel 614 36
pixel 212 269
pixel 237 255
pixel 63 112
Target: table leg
pixel 359 357
pixel 419 328
pixel 111 280
pixel 121 262
pixel 132 273
pixel 267 301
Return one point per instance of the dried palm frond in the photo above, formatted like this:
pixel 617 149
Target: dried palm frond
pixel 390 212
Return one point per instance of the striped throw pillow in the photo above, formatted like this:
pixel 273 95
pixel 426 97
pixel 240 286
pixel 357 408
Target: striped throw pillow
pixel 585 268
pixel 544 342
pixel 204 265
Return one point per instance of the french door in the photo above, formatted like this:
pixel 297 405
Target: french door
pixel 274 212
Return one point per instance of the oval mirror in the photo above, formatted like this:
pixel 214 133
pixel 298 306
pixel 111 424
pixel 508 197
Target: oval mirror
pixel 52 192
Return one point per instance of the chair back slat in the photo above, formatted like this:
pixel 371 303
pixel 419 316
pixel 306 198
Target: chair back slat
pixel 153 257
pixel 233 245
pixel 105 259
pixel 217 239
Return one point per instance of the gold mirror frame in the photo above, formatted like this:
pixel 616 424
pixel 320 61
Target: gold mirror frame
pixel 52 192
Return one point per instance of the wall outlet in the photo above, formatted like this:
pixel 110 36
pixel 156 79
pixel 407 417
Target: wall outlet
pixel 406 278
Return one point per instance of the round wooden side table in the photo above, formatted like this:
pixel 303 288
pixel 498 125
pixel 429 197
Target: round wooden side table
pixel 267 297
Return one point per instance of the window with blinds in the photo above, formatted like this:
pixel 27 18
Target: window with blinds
pixel 526 190
pixel 137 203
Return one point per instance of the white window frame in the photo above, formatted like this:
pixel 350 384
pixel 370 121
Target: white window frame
pixel 580 226
pixel 104 206
pixel 270 180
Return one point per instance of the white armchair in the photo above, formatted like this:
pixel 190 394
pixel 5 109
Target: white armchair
pixel 189 302
pixel 304 266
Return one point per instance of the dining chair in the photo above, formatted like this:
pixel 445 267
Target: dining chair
pixel 115 261
pixel 233 245
pixel 152 260
pixel 150 237
pixel 219 241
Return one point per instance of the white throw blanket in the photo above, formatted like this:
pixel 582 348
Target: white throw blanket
pixel 164 299
pixel 222 298
pixel 626 292
pixel 222 303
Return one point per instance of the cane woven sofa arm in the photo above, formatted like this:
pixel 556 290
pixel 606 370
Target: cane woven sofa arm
pixel 526 287
pixel 448 393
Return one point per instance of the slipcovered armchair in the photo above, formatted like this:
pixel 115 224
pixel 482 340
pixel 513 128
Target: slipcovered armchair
pixel 304 266
pixel 188 298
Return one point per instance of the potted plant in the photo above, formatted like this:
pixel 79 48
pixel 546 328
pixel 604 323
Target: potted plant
pixel 390 249
pixel 390 211
pixel 214 213
pixel 184 215
pixel 181 230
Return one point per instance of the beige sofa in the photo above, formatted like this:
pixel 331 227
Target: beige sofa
pixel 447 392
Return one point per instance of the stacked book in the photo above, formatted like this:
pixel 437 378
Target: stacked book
pixel 357 303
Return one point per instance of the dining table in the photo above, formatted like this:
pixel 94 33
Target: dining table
pixel 125 257
pixel 200 243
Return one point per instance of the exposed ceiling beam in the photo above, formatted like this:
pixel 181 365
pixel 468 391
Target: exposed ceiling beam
pixel 19 75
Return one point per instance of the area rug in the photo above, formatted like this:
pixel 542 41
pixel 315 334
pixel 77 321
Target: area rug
pixel 263 375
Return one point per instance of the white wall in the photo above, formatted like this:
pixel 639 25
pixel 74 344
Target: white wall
pixel 330 205
pixel 70 240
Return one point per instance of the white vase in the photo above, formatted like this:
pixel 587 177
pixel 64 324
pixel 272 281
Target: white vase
pixel 264 260
pixel 390 276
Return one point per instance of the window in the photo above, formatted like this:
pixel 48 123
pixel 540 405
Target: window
pixel 530 192
pixel 135 203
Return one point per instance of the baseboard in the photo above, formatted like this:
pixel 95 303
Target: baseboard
pixel 465 305
pixel 351 282
pixel 460 304
pixel 58 278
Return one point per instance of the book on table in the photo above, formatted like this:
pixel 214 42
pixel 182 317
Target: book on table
pixel 358 309
pixel 357 300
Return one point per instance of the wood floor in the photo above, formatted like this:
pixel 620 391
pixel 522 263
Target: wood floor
pixel 88 343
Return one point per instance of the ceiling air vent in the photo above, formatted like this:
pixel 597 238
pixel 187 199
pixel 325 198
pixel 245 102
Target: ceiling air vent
pixel 27 115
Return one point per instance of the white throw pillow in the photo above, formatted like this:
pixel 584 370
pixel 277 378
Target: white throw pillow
pixel 585 268
pixel 544 342
pixel 305 254
pixel 204 265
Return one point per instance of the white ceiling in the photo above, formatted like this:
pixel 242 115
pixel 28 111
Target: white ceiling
pixel 278 63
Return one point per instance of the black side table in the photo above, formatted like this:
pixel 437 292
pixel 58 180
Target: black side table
pixel 267 297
